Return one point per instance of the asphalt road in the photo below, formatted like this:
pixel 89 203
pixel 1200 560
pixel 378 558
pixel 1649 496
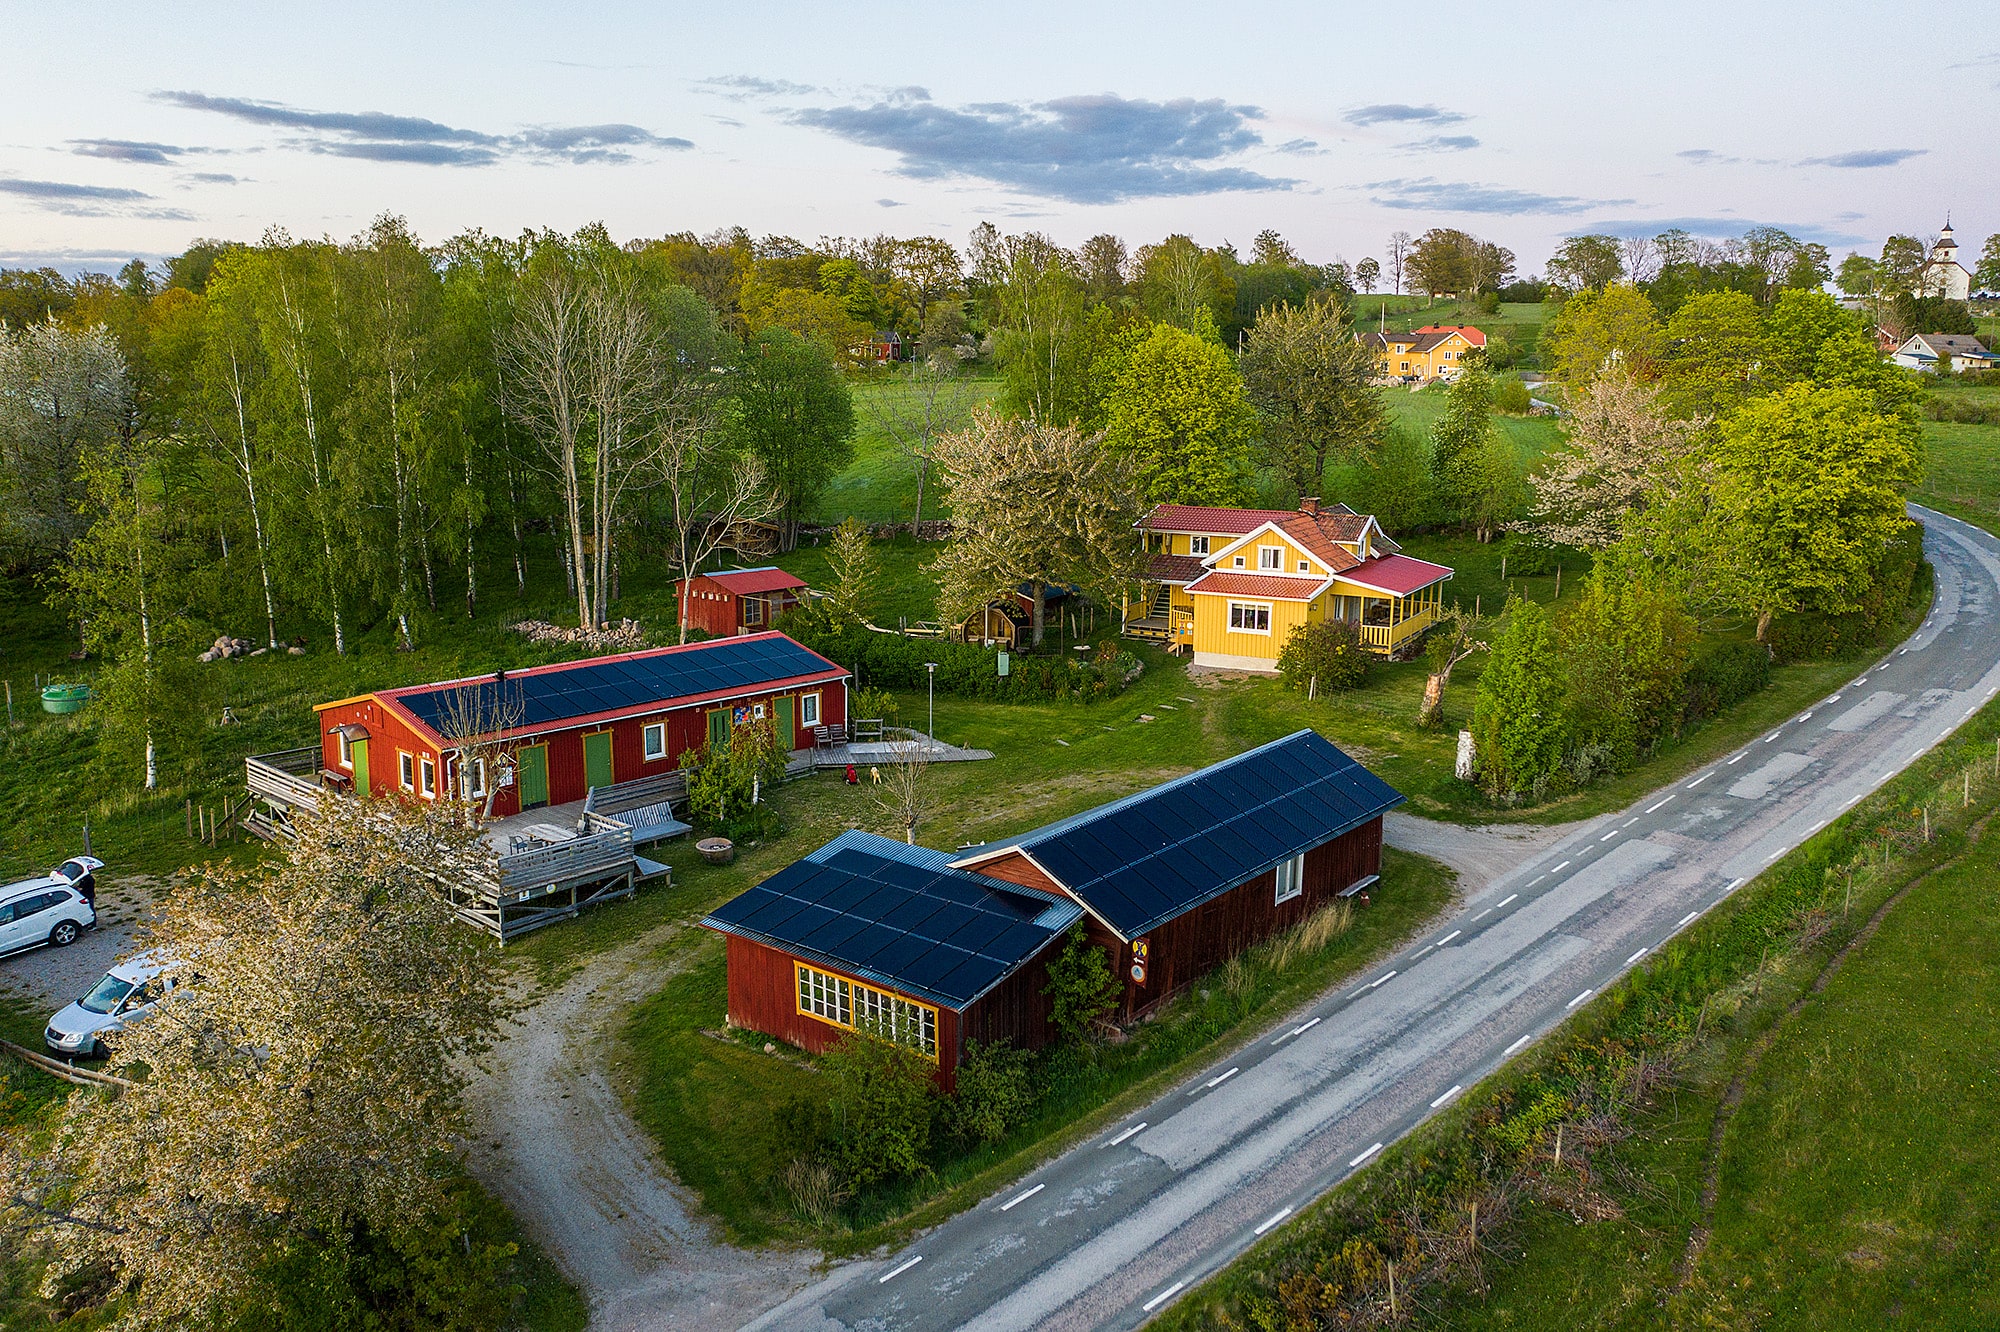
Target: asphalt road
pixel 1117 1228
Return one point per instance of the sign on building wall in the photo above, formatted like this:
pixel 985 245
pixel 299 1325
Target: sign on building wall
pixel 1140 954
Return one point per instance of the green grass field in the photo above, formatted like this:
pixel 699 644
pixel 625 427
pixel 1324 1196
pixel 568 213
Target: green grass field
pixel 880 485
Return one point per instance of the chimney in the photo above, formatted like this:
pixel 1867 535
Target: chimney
pixel 1310 504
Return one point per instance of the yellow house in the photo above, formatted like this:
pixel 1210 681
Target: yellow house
pixel 1229 584
pixel 1435 351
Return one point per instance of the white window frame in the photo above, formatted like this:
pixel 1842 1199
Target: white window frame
pixel 1198 545
pixel 1239 561
pixel 758 712
pixel 406 770
pixel 427 777
pixel 1290 878
pixel 1270 559
pixel 473 778
pixel 346 749
pixel 1305 566
pixel 809 710
pixel 651 732
pixel 1258 610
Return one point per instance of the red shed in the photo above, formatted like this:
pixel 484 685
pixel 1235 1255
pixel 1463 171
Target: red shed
pixel 586 723
pixel 738 601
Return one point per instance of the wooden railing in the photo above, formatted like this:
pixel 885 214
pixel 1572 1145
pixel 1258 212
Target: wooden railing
pixel 605 850
pixel 288 779
pixel 1389 637
pixel 623 797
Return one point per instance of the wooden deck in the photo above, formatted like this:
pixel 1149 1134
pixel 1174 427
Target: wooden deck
pixel 540 866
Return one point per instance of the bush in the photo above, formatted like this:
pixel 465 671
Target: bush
pixel 1081 988
pixel 965 670
pixel 879 1113
pixel 995 1093
pixel 723 781
pixel 1960 410
pixel 1519 722
pixel 1328 651
pixel 1512 398
pixel 1722 675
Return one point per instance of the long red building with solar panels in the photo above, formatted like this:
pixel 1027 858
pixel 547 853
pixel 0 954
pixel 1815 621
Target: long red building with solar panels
pixel 585 723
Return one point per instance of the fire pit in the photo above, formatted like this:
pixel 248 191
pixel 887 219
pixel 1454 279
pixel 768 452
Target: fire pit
pixel 716 850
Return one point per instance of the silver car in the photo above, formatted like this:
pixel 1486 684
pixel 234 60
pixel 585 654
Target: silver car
pixel 53 909
pixel 128 992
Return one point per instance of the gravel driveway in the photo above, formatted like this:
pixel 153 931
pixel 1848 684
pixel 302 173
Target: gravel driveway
pixel 52 977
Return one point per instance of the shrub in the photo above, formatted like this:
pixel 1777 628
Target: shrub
pixel 1963 411
pixel 994 1093
pixel 879 1112
pixel 1512 398
pixel 1081 988
pixel 965 670
pixel 1891 586
pixel 1328 651
pixel 1626 643
pixel 1721 675
pixel 724 780
pixel 1519 722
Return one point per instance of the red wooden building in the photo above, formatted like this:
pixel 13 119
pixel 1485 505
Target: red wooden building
pixel 738 601
pixel 1171 882
pixel 584 723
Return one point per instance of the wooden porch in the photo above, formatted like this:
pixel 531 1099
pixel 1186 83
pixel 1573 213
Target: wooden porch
pixel 540 866
pixel 1389 625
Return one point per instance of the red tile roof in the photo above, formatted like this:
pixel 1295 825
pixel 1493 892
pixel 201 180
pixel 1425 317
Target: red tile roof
pixel 1268 586
pixel 752 581
pixel 1467 331
pixel 1398 575
pixel 1193 518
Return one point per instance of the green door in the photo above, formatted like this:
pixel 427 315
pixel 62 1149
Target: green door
pixel 718 727
pixel 597 759
pixel 788 732
pixel 533 776
pixel 358 751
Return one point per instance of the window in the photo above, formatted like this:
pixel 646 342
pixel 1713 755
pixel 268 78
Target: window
pixel 1249 617
pixel 1198 545
pixel 851 1004
pixel 757 712
pixel 427 777
pixel 1291 877
pixel 1305 566
pixel 656 741
pixel 346 749
pixel 808 709
pixel 475 779
pixel 406 770
pixel 1239 561
pixel 753 610
pixel 1270 557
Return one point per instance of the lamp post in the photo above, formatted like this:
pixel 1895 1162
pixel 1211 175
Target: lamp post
pixel 930 679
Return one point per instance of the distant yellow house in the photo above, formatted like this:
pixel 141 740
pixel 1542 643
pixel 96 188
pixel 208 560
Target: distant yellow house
pixel 1435 351
pixel 1229 584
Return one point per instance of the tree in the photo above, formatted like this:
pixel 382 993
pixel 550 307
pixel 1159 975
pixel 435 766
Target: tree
pixel 1398 251
pixel 480 723
pixel 1175 409
pixel 1452 639
pixel 932 400
pixel 1799 325
pixel 856 568
pixel 1103 260
pixel 546 396
pixel 1367 274
pixel 907 792
pixel 1518 723
pixel 1620 444
pixel 302 1080
pixel 818 318
pixel 1180 283
pixel 1809 492
pixel 1902 263
pixel 1458 443
pixel 1586 263
pixel 1595 331
pixel 1986 275
pixel 794 413
pixel 1081 987
pixel 1626 646
pixel 1714 344
pixel 1446 260
pixel 63 397
pixel 1309 378
pixel 1323 654
pixel 1033 504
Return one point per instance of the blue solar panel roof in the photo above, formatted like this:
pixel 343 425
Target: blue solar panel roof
pixel 1140 861
pixel 551 697
pixel 900 916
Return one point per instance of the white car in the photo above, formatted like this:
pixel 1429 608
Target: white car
pixel 53 909
pixel 127 993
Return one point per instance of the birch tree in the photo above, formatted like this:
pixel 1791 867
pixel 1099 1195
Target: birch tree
pixel 548 395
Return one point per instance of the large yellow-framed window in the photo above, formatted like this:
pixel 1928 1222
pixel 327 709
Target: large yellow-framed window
pixel 858 1007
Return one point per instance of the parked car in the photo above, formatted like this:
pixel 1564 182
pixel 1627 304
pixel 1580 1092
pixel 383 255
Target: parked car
pixel 55 908
pixel 128 992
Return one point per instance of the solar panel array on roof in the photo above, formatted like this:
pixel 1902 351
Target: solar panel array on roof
pixel 611 684
pixel 1140 861
pixel 899 916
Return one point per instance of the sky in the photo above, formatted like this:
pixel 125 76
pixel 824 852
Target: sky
pixel 130 130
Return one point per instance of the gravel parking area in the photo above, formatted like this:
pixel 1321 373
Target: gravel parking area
pixel 52 977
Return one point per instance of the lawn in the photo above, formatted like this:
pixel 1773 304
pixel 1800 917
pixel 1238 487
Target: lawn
pixel 880 485
pixel 1963 477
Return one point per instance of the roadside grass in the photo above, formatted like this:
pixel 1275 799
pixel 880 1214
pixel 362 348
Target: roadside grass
pixel 715 1102
pixel 1859 1175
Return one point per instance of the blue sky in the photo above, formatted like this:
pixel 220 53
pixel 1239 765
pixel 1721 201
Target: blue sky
pixel 145 126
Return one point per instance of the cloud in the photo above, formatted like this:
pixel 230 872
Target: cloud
pixel 1706 157
pixel 379 136
pixel 72 263
pixel 1428 193
pixel 1716 228
pixel 1093 149
pixel 742 87
pixel 58 190
pixel 212 178
pixel 1445 143
pixel 1301 147
pixel 73 200
pixel 890 203
pixel 133 150
pixel 1865 158
pixel 1396 113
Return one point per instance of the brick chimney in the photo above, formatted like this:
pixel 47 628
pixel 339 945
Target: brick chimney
pixel 1310 504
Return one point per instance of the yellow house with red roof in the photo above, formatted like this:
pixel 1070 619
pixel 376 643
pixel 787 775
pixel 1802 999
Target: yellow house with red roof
pixel 1435 351
pixel 1229 584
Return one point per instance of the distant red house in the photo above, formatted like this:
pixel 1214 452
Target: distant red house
pixel 738 601
pixel 585 723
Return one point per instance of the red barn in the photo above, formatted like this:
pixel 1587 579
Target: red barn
pixel 738 601
pixel 585 723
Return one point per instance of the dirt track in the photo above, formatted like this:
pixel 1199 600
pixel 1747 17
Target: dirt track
pixel 558 1144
